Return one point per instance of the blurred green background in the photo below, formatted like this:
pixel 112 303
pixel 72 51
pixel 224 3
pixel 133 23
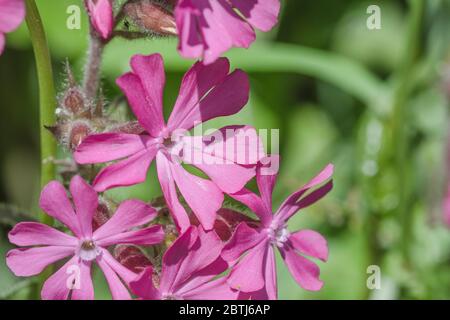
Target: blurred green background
pixel 373 102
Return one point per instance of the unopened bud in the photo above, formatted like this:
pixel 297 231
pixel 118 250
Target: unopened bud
pixel 101 215
pixel 226 222
pixel 151 17
pixel 78 132
pixel 73 100
pixel 132 127
pixel 131 257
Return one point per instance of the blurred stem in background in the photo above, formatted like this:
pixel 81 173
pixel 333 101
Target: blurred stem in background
pixel 47 105
pixel 402 91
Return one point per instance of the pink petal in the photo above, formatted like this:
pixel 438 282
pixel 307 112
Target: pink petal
pixel 131 213
pixel 261 14
pixel 248 274
pixel 270 290
pixel 214 290
pixel 126 172
pixel 143 286
pixel 201 278
pixel 85 200
pixel 105 147
pixel 195 190
pixel 228 176
pixel 254 203
pixel 55 203
pixel 271 275
pixel 226 98
pixel 12 13
pixel 199 23
pixel 234 144
pixel 168 187
pixel 243 239
pixel 174 256
pixel 102 19
pixel 32 234
pixel 58 285
pixel 117 288
pixel 123 272
pixel 31 261
pixel 310 243
pixel 266 182
pixel 305 272
pixel 144 90
pixel 202 253
pixel 148 236
pixel 86 288
pixel 294 202
pixel 197 82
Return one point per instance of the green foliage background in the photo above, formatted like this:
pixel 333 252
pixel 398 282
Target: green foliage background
pixel 331 86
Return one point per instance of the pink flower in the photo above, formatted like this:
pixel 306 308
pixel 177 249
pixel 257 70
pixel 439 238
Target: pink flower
pixel 206 92
pixel 46 245
pixel 255 273
pixel 208 28
pixel 101 14
pixel 188 269
pixel 12 13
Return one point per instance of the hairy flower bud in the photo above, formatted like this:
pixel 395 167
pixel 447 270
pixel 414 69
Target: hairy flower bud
pixel 79 130
pixel 226 222
pixel 73 101
pixel 131 257
pixel 151 17
pixel 101 215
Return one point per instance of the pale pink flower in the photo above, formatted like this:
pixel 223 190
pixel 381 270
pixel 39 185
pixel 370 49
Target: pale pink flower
pixel 12 13
pixel 255 274
pixel 208 28
pixel 188 269
pixel 206 92
pixel 102 17
pixel 46 245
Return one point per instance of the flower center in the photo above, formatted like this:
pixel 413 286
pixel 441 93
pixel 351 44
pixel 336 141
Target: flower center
pixel 88 250
pixel 170 296
pixel 279 235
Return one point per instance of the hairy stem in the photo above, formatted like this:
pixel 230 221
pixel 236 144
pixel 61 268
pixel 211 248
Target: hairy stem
pixel 47 96
pixel 92 69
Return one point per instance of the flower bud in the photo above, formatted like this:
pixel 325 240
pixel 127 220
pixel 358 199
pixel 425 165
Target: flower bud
pixel 73 100
pixel 226 222
pixel 151 17
pixel 101 215
pixel 131 257
pixel 79 131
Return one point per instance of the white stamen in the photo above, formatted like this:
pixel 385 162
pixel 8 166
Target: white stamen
pixel 279 235
pixel 88 250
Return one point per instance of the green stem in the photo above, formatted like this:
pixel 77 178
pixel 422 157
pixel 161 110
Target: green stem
pixel 399 120
pixel 47 96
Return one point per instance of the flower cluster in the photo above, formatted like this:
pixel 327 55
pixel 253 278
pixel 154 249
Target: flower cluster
pixel 186 245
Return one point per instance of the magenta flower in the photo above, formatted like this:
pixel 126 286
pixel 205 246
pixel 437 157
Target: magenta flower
pixel 12 13
pixel 188 269
pixel 206 92
pixel 46 245
pixel 208 28
pixel 255 274
pixel 101 15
